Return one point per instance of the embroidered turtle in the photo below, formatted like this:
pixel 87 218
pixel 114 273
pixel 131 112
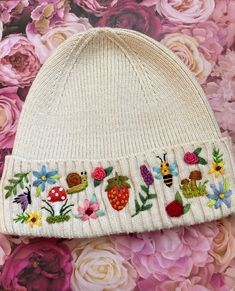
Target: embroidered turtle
pixel 76 182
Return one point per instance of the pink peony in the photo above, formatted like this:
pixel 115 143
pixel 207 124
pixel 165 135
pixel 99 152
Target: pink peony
pixel 170 254
pixel 97 7
pixel 18 63
pixel 131 15
pixel 12 8
pixel 46 43
pixel 183 11
pixel 229 274
pixel 40 265
pixel 1 29
pixel 98 174
pixel 3 153
pixel 10 108
pixel 191 158
pixel 5 248
pixel 49 13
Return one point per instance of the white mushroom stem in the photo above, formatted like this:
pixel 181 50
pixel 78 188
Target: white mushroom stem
pixel 57 206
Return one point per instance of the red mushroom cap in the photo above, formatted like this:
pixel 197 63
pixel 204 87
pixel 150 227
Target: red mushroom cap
pixel 57 194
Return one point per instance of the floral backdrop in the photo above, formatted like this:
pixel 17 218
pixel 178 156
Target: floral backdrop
pixel 202 34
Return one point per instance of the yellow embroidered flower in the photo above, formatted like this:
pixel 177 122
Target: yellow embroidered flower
pixel 217 168
pixel 34 219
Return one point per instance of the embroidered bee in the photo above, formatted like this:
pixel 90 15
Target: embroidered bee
pixel 166 171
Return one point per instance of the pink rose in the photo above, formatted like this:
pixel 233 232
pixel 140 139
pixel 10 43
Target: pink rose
pixel 11 8
pixel 47 42
pixel 191 158
pixel 98 174
pixel 131 15
pixel 1 29
pixel 184 11
pixel 224 244
pixel 10 108
pixel 18 63
pixel 97 7
pixel 40 265
pixel 3 153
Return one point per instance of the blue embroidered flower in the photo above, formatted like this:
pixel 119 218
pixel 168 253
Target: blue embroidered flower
pixel 44 177
pixel 221 195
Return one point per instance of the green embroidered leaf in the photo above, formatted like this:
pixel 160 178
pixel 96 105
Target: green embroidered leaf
pixel 56 177
pixel 145 189
pixel 126 185
pixel 78 216
pixel 108 171
pixel 93 199
pixel 146 207
pixel 7 187
pixel 38 191
pixel 100 213
pixel 217 156
pixel 137 206
pixel 211 203
pixel 8 194
pixel 226 185
pixel 152 196
pixel 12 188
pixel 19 175
pixel 13 181
pixel 26 179
pixel 178 197
pixel 21 217
pixel 186 208
pixel 97 183
pixel 197 151
pixel 202 161
pixel 21 184
pixel 142 198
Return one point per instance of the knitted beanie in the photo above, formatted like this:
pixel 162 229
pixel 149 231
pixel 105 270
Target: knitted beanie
pixel 115 136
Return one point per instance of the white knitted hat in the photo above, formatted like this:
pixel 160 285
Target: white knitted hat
pixel 115 136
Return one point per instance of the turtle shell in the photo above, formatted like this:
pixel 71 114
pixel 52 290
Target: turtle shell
pixel 73 179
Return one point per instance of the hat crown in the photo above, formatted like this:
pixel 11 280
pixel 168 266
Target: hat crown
pixel 111 93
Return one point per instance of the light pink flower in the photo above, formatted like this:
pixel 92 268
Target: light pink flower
pixel 1 29
pixel 229 275
pixel 3 153
pixel 183 11
pixel 46 43
pixel 12 8
pixel 10 108
pixel 5 248
pixel 170 254
pixel 48 13
pixel 187 49
pixel 97 7
pixel 18 63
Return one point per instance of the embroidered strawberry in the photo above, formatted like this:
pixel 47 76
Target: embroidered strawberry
pixel 118 191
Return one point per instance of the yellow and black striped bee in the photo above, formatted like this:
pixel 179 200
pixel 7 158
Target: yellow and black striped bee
pixel 165 171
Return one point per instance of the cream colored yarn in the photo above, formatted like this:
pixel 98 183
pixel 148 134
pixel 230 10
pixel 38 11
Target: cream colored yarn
pixel 114 97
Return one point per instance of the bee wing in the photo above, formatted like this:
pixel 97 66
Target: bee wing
pixel 158 173
pixel 173 167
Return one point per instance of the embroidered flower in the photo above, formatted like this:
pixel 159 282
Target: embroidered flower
pixel 176 208
pixel 192 158
pixel 34 219
pixel 90 209
pixel 217 164
pixel 146 175
pixel 220 195
pixel 44 177
pixel 100 173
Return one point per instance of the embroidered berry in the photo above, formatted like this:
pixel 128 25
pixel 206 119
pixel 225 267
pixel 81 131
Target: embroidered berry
pixel 118 191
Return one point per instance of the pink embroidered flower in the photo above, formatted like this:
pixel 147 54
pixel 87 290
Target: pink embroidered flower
pixel 191 158
pixel 131 15
pixel 40 265
pixel 45 43
pixel 18 63
pixel 90 209
pixel 97 7
pixel 99 174
pixel 49 13
pixel 10 108
pixel 184 11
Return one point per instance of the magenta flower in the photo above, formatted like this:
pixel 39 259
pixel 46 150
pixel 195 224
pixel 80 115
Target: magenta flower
pixel 90 209
pixel 97 7
pixel 40 265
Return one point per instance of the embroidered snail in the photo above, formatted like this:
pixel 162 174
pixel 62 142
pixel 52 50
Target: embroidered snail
pixel 76 182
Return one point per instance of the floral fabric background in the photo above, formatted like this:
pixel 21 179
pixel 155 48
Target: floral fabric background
pixel 202 34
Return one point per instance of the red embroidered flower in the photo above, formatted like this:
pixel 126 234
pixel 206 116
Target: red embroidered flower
pixel 191 158
pixel 99 174
pixel 175 209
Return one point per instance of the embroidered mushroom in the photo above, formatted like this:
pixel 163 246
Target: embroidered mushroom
pixel 185 184
pixel 194 177
pixel 57 196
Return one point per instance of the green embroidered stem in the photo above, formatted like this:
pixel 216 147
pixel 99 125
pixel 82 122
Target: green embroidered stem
pixel 55 219
pixel 51 210
pixel 217 156
pixel 144 200
pixel 18 179
pixel 21 217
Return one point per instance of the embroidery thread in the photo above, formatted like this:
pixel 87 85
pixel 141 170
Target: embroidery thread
pixel 24 199
pixel 32 218
pixel 166 171
pixel 59 211
pixel 76 182
pixel 190 188
pixel 176 208
pixel 220 195
pixel 90 209
pixel 192 158
pixel 217 163
pixel 44 177
pixel 99 174
pixel 18 180
pixel 118 191
pixel 148 180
